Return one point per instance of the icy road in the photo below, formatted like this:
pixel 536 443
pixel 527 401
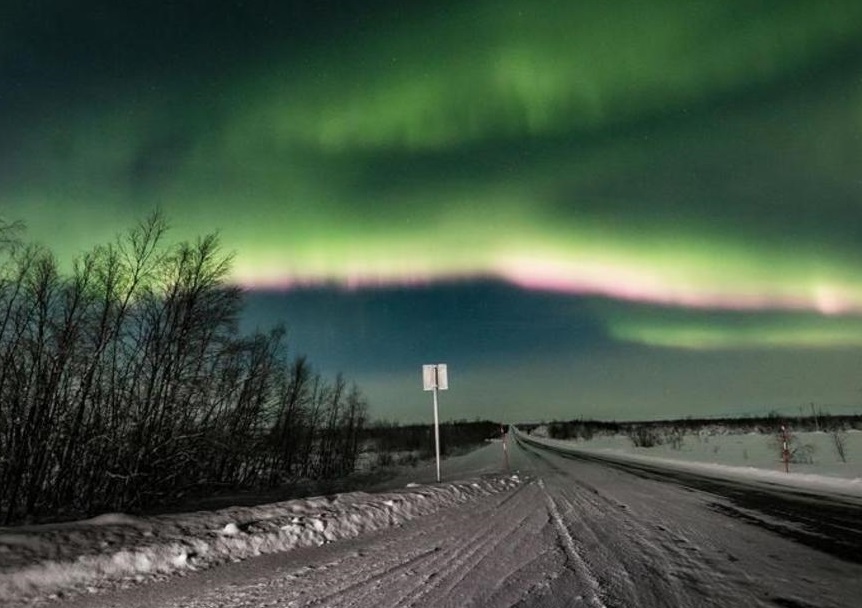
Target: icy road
pixel 578 532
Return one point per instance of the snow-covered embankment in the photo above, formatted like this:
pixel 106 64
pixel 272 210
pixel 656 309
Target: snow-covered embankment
pixel 50 560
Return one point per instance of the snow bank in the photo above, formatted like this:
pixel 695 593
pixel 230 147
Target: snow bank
pixel 54 559
pixel 814 452
pixel 844 488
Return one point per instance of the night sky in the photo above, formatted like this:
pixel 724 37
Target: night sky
pixel 605 209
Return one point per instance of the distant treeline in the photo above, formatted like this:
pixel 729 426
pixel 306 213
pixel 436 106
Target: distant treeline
pixel 417 440
pixel 125 382
pixel 816 420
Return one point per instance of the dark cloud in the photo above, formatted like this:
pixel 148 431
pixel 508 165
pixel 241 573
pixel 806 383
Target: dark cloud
pixel 472 323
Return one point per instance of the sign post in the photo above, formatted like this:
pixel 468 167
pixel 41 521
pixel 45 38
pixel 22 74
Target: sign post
pixel 785 448
pixel 505 436
pixel 434 378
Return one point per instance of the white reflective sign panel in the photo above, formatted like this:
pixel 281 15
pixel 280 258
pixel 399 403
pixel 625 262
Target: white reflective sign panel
pixel 435 376
pixel 428 377
pixel 442 377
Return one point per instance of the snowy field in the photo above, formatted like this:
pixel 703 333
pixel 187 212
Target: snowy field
pixel 816 462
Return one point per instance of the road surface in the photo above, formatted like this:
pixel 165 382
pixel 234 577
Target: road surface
pixel 578 532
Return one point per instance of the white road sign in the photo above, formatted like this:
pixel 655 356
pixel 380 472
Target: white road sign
pixel 435 376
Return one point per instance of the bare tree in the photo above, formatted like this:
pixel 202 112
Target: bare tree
pixel 127 382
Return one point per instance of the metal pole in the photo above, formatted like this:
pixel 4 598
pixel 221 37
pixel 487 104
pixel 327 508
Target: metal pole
pixel 436 427
pixel 505 448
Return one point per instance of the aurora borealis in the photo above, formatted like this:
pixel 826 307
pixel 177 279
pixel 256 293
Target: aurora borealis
pixel 627 209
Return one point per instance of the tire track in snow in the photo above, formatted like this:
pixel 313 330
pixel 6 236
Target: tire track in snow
pixel 372 582
pixel 593 514
pixel 436 570
pixel 656 544
pixel 490 552
pixel 652 550
pixel 456 564
pixel 577 562
pixel 642 551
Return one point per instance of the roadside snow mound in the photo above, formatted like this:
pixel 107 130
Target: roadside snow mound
pixel 822 485
pixel 53 560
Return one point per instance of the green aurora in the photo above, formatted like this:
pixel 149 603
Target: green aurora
pixel 696 159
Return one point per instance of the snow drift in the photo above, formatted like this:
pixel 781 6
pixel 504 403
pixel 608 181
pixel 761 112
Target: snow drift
pixel 55 559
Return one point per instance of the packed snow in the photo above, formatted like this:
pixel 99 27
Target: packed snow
pixel 52 560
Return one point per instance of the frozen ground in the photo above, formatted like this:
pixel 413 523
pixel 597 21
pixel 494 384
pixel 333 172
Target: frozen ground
pixel 51 561
pixel 562 526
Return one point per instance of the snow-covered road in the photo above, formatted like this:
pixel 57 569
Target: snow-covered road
pixel 575 533
pixel 684 543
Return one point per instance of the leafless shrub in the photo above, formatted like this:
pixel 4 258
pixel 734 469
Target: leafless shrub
pixel 643 436
pixel 840 445
pixel 675 438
